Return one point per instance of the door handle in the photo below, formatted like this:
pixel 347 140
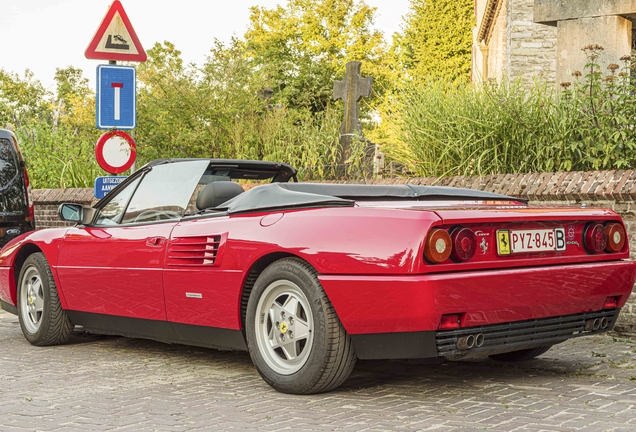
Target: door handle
pixel 155 241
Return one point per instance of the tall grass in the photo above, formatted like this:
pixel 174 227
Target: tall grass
pixel 443 129
pixel 304 140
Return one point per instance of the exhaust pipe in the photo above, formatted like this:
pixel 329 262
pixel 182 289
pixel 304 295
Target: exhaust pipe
pixel 604 323
pixel 592 324
pixel 465 342
pixel 479 340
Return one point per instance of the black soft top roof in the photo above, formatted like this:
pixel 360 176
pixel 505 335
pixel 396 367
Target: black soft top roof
pixel 241 169
pixel 295 195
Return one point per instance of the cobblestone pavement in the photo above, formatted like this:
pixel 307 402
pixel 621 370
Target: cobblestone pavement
pixel 112 383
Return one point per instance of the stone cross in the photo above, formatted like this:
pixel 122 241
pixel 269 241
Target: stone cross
pixel 351 89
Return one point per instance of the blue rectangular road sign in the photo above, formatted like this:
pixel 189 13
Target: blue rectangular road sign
pixel 103 185
pixel 115 96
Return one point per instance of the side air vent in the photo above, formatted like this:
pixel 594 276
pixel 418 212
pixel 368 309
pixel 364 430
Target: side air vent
pixel 199 251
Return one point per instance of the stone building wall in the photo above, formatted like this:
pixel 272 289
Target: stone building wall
pixel 516 46
pixel 606 189
pixel 497 49
pixel 532 47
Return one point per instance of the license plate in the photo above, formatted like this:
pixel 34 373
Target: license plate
pixel 524 241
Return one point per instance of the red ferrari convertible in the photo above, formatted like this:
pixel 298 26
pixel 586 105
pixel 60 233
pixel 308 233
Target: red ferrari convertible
pixel 310 277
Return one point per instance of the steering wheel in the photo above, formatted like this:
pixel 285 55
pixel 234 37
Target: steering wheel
pixel 146 215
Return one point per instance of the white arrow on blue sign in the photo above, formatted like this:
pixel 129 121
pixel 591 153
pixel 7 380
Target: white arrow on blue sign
pixel 116 97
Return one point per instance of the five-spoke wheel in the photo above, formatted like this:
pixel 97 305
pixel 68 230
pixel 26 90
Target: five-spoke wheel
pixel 284 327
pixel 42 319
pixel 31 298
pixel 295 338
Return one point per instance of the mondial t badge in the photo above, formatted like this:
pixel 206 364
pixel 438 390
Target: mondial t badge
pixel 283 327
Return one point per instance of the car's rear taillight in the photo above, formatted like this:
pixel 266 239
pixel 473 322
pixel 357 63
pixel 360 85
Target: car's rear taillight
pixel 29 199
pixel 464 244
pixel 615 237
pixel 594 238
pixel 438 246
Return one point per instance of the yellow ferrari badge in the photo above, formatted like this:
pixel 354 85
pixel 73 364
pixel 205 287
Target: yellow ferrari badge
pixel 503 242
pixel 283 327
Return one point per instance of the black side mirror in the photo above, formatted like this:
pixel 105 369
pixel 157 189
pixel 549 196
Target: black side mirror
pixel 70 212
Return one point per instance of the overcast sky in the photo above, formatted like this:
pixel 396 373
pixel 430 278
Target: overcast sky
pixel 44 34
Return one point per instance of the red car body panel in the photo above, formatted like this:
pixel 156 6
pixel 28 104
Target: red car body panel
pixel 48 241
pixel 357 246
pixel 122 266
pixel 7 285
pixel 369 259
pixel 371 304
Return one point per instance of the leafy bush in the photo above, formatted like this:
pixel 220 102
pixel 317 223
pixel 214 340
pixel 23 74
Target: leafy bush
pixel 304 140
pixel 442 129
pixel 602 113
pixel 58 157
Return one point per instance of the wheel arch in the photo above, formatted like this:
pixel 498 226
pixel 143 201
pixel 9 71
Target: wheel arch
pixel 25 251
pixel 254 272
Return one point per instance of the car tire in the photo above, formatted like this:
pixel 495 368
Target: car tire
pixel 521 355
pixel 294 336
pixel 42 319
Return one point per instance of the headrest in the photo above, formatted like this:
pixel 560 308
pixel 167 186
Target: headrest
pixel 216 193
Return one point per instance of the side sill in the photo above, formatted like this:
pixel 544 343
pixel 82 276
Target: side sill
pixel 161 331
pixel 384 346
pixel 8 307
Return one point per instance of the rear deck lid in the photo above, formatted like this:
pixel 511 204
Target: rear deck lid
pixel 518 236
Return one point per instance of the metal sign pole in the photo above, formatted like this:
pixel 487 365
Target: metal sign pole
pixel 133 168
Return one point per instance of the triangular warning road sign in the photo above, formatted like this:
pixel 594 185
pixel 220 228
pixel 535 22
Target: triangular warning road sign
pixel 115 38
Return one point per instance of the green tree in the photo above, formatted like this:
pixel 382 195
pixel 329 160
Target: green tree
pixel 299 50
pixel 71 83
pixel 167 105
pixel 57 142
pixel 437 39
pixel 22 99
pixel 185 111
pixel 72 91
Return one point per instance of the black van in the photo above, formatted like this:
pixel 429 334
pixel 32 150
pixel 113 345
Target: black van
pixel 16 205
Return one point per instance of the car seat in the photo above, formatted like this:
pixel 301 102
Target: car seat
pixel 216 193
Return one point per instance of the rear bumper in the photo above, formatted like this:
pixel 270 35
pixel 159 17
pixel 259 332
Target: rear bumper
pixel 496 338
pixel 405 304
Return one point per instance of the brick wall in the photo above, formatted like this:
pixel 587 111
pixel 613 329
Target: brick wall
pixel 608 189
pixel 47 202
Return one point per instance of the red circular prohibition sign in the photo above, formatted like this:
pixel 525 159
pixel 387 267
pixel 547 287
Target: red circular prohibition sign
pixel 107 148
